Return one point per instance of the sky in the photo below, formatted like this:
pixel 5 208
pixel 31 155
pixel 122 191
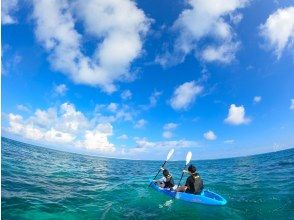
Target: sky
pixel 134 79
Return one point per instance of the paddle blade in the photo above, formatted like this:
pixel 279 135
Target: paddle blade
pixel 188 157
pixel 170 153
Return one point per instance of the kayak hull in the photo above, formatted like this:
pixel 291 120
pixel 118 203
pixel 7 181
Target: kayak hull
pixel 207 197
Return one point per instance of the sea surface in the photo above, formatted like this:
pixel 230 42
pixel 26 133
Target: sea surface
pixel 40 183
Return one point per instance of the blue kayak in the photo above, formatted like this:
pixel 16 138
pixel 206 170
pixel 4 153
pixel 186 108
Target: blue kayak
pixel 206 197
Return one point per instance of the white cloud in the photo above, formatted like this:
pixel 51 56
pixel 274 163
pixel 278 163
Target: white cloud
pixel 123 137
pixel 257 99
pixel 60 89
pixel 57 136
pixel 292 104
pixel 153 99
pixel 170 126
pixel 167 134
pixel 230 141
pixel 224 53
pixel 144 143
pixel 167 130
pixel 97 139
pixel 206 20
pixel 112 107
pixel 9 7
pixel 236 115
pixel 210 135
pixel 236 18
pixel 118 112
pixel 278 30
pixel 118 25
pixel 23 108
pixel 126 95
pixel 185 95
pixel 65 126
pixel 140 123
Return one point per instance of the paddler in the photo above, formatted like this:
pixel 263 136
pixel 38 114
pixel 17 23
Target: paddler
pixel 166 181
pixel 194 183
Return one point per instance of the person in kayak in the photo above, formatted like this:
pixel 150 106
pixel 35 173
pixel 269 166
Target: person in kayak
pixel 194 183
pixel 166 181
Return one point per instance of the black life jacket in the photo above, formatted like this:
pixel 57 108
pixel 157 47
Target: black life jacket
pixel 169 183
pixel 196 185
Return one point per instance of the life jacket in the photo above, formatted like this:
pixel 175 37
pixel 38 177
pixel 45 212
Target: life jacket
pixel 196 184
pixel 169 183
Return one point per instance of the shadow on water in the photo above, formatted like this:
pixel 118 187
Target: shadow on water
pixel 39 183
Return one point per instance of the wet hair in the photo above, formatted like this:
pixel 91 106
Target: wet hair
pixel 165 172
pixel 192 168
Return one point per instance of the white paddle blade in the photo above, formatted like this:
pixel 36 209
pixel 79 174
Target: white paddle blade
pixel 170 153
pixel 188 157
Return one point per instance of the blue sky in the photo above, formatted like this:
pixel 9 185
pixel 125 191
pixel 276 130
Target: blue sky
pixel 133 79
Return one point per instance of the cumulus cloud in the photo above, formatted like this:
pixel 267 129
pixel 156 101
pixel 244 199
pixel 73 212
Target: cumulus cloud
pixel 119 27
pixel 170 126
pixel 236 115
pixel 63 125
pixel 292 104
pixel 123 137
pixel 257 99
pixel 153 99
pixel 206 20
pixel 23 108
pixel 210 135
pixel 140 123
pixel 9 7
pixel 60 89
pixel 224 53
pixel 113 112
pixel 278 30
pixel 112 107
pixel 185 95
pixel 168 130
pixel 167 134
pixel 125 95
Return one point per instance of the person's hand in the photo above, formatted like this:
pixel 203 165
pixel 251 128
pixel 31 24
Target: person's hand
pixel 185 171
pixel 162 168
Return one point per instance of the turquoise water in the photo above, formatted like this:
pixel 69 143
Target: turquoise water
pixel 39 183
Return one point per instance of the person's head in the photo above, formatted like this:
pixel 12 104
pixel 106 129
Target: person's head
pixel 192 169
pixel 165 173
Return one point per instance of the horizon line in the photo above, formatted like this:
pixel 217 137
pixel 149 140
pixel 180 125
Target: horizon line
pixel 117 158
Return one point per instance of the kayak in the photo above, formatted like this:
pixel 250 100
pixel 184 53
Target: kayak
pixel 207 197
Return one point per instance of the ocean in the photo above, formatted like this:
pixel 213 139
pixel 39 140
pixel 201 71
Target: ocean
pixel 40 183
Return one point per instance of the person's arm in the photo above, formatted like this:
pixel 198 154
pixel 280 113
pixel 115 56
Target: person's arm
pixel 159 180
pixel 188 183
pixel 172 181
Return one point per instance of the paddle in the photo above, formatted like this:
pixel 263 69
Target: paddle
pixel 188 158
pixel 170 153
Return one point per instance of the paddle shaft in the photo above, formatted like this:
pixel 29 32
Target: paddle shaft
pixel 182 176
pixel 159 171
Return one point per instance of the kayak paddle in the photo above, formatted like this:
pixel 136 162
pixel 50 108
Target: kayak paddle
pixel 188 158
pixel 170 153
